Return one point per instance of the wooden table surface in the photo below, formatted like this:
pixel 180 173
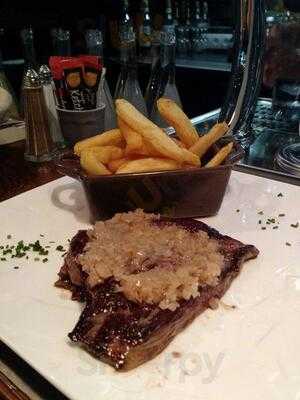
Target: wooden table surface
pixel 18 176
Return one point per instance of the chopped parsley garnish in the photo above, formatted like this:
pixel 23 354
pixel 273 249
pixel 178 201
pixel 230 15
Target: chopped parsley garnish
pixel 36 246
pixel 60 248
pixel 22 249
pixel 295 225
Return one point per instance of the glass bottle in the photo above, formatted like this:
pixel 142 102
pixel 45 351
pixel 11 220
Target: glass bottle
pixel 30 61
pixel 168 24
pixel 165 85
pixel 176 17
pixel 61 42
pixel 28 49
pixel 188 14
pixel 128 87
pixel 197 44
pixel 94 42
pixel 125 21
pixel 196 20
pixel 205 15
pixel 205 25
pixel 188 24
pixel 182 32
pixel 145 31
pixel 201 20
pixel 153 83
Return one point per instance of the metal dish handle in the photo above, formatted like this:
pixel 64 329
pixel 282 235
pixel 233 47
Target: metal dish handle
pixel 236 154
pixel 68 164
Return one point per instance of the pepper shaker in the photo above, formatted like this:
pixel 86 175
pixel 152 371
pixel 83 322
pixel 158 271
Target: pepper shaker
pixel 39 144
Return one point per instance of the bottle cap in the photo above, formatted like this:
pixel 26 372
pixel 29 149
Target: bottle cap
pixel 31 79
pixel 45 74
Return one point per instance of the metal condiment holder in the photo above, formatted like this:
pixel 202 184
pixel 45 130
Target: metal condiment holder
pixel 39 144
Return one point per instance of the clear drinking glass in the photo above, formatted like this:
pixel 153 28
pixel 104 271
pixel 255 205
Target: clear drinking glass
pixel 128 87
pixel 94 42
pixel 165 82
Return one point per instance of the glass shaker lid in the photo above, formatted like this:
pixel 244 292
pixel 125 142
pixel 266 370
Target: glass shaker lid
pixel 288 159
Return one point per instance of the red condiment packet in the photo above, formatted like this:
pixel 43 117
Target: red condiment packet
pixel 91 61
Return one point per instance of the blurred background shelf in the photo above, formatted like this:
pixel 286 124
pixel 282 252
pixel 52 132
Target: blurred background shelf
pixel 210 61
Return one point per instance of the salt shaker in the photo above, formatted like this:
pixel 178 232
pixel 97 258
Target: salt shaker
pixel 49 90
pixel 39 144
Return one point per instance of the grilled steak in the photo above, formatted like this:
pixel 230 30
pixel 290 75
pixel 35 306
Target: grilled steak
pixel 126 334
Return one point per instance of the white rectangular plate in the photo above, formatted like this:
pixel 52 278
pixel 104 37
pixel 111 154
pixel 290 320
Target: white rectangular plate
pixel 251 352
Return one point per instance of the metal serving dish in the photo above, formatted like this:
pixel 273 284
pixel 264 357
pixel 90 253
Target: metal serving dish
pixel 196 192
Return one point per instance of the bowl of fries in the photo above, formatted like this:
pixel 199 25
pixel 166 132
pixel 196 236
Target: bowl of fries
pixel 139 166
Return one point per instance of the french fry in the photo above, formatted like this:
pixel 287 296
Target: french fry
pixel 134 141
pixel 105 154
pixel 142 151
pixel 114 165
pixel 90 163
pixel 148 165
pixel 110 138
pixel 206 141
pixel 175 117
pixel 220 156
pixel 151 150
pixel 179 143
pixel 191 158
pixel 148 130
pixel 188 157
